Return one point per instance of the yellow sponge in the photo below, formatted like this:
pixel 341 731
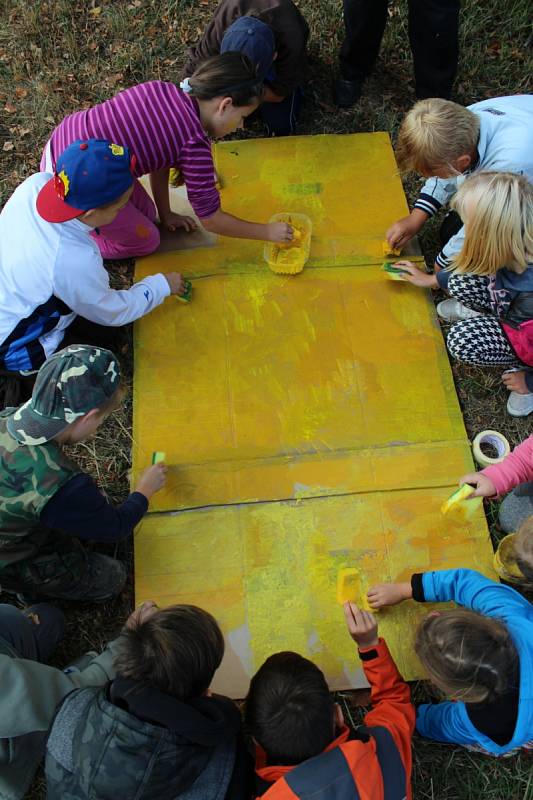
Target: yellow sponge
pixel 349 589
pixel 388 250
pixel 457 502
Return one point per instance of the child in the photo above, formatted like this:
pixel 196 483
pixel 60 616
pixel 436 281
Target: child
pixel 493 278
pixel 444 141
pixel 46 500
pixel 273 34
pixel 481 658
pixel 302 743
pixel 31 690
pixel 169 127
pixel 51 270
pixel 156 731
pixel 514 475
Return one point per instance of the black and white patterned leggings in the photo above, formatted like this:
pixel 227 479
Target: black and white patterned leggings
pixel 480 340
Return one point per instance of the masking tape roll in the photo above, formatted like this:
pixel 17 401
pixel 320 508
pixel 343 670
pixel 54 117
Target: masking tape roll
pixel 496 440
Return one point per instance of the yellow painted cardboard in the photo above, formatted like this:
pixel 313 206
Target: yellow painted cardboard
pixel 310 422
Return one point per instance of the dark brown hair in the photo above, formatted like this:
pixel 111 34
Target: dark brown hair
pixel 468 656
pixel 227 75
pixel 177 650
pixel 289 710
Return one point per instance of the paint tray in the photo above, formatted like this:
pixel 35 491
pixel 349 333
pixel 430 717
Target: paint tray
pixel 290 258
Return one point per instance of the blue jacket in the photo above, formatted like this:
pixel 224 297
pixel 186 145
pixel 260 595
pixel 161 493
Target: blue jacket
pixel 449 721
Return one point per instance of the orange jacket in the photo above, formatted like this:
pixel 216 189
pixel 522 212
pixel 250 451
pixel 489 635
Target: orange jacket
pixel 375 766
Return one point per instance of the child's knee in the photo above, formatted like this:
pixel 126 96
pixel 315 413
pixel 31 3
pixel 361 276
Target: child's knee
pixel 147 238
pixel 455 341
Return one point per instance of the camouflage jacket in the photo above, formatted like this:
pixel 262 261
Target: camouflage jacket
pixel 97 748
pixel 29 477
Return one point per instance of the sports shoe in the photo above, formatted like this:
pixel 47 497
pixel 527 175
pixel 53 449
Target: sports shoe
pixel 520 405
pixel 346 93
pixel 453 311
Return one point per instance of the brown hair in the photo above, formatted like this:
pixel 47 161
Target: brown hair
pixel 177 650
pixel 433 134
pixel 523 548
pixel 499 225
pixel 468 656
pixel 289 710
pixel 227 75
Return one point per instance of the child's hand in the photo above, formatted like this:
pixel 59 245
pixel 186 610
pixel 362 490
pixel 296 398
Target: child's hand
pixel 362 625
pixel 173 221
pixel 416 276
pixel 279 232
pixel 152 480
pixel 388 594
pixel 403 231
pixel 516 381
pixel 176 283
pixel 484 486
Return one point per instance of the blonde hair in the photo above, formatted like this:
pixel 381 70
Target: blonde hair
pixel 499 227
pixel 433 134
pixel 468 656
pixel 523 549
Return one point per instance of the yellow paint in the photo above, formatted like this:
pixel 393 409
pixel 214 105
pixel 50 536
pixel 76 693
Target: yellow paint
pixel 297 429
pixel 387 250
pixel 505 563
pixel 289 258
pixel 350 589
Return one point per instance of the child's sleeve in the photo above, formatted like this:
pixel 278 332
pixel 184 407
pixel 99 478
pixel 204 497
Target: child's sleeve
pixel 516 468
pixel 198 170
pixel 435 193
pixel 471 589
pixel 390 698
pixel 444 722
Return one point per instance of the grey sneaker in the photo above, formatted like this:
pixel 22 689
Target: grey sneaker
pixel 520 405
pixel 104 579
pixel 453 311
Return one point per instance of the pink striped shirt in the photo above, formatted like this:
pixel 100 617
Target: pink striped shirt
pixel 161 126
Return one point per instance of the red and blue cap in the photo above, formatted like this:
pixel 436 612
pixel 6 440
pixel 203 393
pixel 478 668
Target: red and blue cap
pixel 89 174
pixel 255 39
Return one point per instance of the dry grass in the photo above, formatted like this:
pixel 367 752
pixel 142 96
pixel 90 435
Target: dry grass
pixel 59 55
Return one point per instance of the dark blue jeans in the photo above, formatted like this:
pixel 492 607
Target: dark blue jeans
pixel 280 118
pixel 27 637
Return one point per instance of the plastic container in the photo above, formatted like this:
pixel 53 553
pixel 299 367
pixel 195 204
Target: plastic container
pixel 290 258
pixel 505 561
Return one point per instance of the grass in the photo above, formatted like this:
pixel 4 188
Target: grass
pixel 57 56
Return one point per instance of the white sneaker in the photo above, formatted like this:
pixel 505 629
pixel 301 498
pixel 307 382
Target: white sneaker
pixel 453 311
pixel 520 405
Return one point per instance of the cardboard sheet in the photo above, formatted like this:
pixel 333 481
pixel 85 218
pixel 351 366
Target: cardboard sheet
pixel 310 422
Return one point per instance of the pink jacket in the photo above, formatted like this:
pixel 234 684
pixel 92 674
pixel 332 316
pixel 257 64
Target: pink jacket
pixel 516 468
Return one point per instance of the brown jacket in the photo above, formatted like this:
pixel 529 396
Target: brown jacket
pixel 290 30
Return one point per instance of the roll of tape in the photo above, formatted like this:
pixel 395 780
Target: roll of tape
pixel 494 439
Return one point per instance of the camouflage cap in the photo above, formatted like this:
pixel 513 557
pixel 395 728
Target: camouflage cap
pixel 72 382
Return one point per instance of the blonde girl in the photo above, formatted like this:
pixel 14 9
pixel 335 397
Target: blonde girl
pixel 479 655
pixel 492 276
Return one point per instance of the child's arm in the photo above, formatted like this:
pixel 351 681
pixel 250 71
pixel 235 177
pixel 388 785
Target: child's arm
pixel 227 225
pixel 515 468
pixel 80 508
pixel 465 586
pixel 170 219
pixel 390 695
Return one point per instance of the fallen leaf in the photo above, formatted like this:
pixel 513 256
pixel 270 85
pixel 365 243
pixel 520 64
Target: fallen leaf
pixel 10 108
pixel 20 92
pixel 8 146
pixel 96 11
